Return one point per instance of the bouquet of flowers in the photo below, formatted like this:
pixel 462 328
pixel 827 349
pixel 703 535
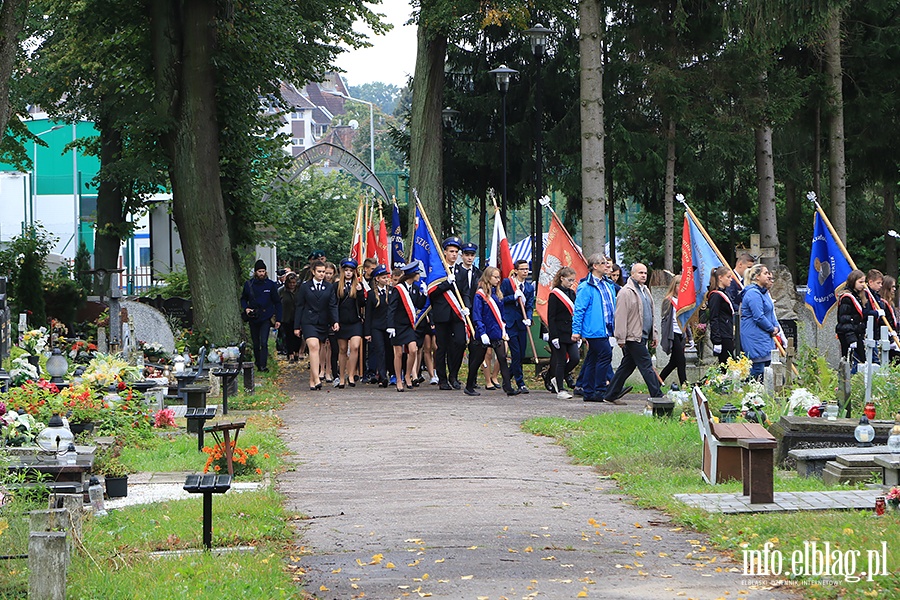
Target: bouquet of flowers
pixel 34 341
pixel 82 351
pixel 105 369
pixel 803 398
pixel 22 372
pixel 82 404
pixel 164 419
pixel 153 350
pixel 893 497
pixel 19 429
pixel 243 461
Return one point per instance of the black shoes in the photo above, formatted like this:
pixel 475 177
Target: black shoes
pixel 621 394
pixel 469 392
pixel 578 391
pixel 592 399
pixel 512 392
pixel 444 386
pixel 523 389
pixel 456 385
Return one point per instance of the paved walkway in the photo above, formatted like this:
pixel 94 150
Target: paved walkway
pixel 436 494
pixel 784 501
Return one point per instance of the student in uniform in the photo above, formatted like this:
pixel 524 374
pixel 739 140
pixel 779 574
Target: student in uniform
pixel 404 304
pixel 721 314
pixel 490 330
pixel 375 325
pixel 288 295
pixel 351 299
pixel 518 306
pixel 449 319
pixel 851 325
pixel 315 316
pixel 563 349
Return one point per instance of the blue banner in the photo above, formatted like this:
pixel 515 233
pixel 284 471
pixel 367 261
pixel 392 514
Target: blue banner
pixel 428 250
pixel 828 271
pixel 398 258
pixel 699 259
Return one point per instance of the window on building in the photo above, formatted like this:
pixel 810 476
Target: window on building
pixel 144 257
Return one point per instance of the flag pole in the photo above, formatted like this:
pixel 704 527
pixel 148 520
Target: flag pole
pixel 546 202
pixel 712 244
pixel 444 262
pixel 812 197
pixel 520 302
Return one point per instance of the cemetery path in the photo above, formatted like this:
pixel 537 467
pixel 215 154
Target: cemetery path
pixel 436 494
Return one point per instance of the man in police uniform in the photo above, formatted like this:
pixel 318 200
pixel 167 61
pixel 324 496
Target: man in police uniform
pixel 467 274
pixel 449 322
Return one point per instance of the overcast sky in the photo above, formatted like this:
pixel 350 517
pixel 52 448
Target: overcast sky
pixel 392 57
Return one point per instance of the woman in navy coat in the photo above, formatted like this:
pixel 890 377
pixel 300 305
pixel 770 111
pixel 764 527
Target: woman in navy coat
pixel 316 315
pixel 490 330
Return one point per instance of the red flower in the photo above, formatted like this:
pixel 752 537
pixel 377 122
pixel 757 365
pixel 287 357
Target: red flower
pixel 120 386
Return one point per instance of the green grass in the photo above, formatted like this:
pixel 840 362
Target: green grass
pixel 178 452
pixel 653 459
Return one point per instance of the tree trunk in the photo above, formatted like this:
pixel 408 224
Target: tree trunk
pixel 890 243
pixel 110 217
pixel 593 170
pixel 837 174
pixel 792 216
pixel 669 201
pixel 426 161
pixel 611 215
pixel 186 86
pixel 765 187
pixel 12 19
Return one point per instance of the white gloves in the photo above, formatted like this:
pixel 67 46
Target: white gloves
pixel 485 339
pixel 853 346
pixel 717 349
pixel 880 313
pixel 545 337
pixel 579 342
pixel 519 295
pixel 391 332
pixel 526 322
pixel 555 343
pixel 612 342
pixel 465 312
pixel 450 272
pixel 894 346
pixel 783 338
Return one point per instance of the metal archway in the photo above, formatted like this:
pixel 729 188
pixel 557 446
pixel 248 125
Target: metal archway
pixel 336 154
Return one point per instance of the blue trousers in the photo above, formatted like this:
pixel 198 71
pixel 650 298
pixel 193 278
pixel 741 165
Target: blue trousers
pixel 758 369
pixel 517 350
pixel 259 335
pixel 635 354
pixel 597 368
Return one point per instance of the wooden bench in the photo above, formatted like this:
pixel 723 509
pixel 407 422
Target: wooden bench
pixel 722 454
pixel 757 469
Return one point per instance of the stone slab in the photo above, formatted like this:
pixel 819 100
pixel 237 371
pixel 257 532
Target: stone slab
pixel 150 325
pixel 856 460
pixel 783 501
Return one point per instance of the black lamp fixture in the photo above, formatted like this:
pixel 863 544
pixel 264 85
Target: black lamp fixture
pixel 449 116
pixel 538 36
pixel 503 74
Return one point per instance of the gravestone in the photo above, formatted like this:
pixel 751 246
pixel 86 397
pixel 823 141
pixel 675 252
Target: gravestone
pixel 150 325
pixel 179 310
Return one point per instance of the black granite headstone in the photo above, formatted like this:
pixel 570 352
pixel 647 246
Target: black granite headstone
pixel 180 310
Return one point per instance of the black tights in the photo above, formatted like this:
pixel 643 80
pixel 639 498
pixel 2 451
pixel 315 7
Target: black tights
pixel 676 360
pixel 563 361
pixel 477 350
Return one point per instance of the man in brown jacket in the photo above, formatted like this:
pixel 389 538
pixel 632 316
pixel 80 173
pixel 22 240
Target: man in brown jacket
pixel 634 330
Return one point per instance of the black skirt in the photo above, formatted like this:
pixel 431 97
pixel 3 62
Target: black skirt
pixel 350 330
pixel 320 332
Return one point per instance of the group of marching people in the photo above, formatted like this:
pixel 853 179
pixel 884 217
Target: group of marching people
pixel 865 295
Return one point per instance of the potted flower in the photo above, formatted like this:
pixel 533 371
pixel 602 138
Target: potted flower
pixel 893 498
pixel 115 475
pixel 105 370
pixel 18 429
pixel 82 407
pixel 752 406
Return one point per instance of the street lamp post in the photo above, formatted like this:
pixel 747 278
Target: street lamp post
pixel 538 35
pixel 34 176
pixel 371 125
pixel 502 74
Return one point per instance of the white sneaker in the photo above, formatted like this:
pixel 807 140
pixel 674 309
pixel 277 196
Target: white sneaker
pixel 564 395
pixel 434 380
pixel 337 381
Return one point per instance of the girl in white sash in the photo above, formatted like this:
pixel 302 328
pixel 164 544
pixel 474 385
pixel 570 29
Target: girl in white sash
pixel 490 330
pixel 563 349
pixel 402 308
pixel 721 314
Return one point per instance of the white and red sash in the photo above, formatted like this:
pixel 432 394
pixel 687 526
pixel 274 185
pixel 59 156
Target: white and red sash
pixel 406 300
pixel 495 310
pixel 450 297
pixel 566 301
pixel 724 297
pixel 853 299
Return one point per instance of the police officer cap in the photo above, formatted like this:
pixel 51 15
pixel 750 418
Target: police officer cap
pixel 316 254
pixel 469 247
pixel 453 241
pixel 413 267
pixel 349 262
pixel 379 270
